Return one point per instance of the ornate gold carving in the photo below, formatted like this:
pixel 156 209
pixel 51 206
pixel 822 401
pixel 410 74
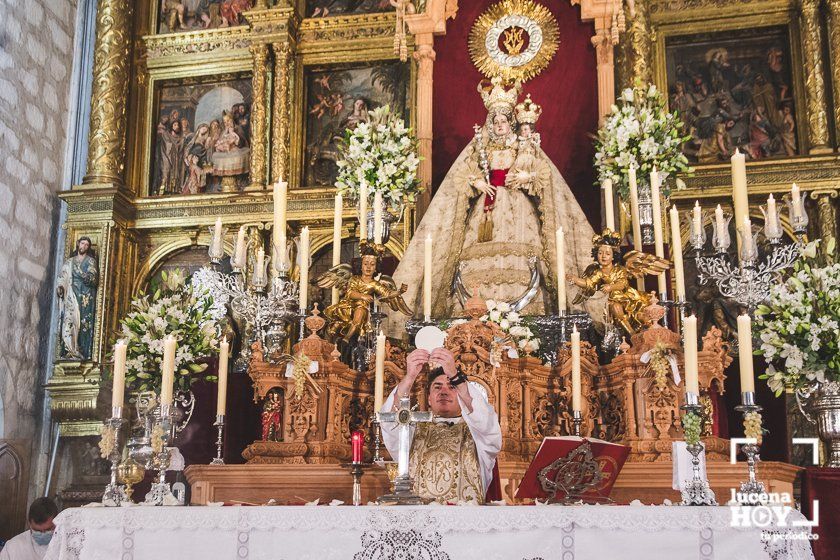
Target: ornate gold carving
pixel 827 213
pixel 641 41
pixel 281 115
pixel 259 85
pixel 809 23
pixel 348 28
pixel 106 143
pixel 194 42
pixel 834 49
pixel 509 22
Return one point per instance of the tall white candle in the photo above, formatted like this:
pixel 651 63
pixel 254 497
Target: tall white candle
pixel 576 400
pixel 363 211
pixel 240 252
pixel 634 210
pixel 692 381
pixel 280 196
pixel 118 394
pixel 427 279
pixel 221 395
pixel 746 232
pixel 336 255
pixel 377 218
pixel 745 354
pixel 740 197
pixel 772 211
pixel 696 218
pixel 217 236
pixel 304 270
pixel 170 345
pixel 720 224
pixel 676 253
pixel 260 270
pixel 379 378
pixel 658 237
pixel 561 270
pixel 795 201
pixel 609 204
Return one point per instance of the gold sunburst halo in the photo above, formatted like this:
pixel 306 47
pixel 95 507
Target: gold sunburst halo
pixel 500 27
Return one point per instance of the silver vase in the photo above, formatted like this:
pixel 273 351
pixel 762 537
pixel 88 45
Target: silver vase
pixel 820 405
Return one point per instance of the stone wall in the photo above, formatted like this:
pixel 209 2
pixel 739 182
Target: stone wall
pixel 36 66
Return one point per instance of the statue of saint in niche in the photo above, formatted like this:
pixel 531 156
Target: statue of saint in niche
pixel 77 301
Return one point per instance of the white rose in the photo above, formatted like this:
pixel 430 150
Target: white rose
pixel 503 306
pixel 495 316
pixel 505 324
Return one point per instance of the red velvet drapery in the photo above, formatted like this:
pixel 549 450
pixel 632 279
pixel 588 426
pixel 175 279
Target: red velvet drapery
pixel 566 90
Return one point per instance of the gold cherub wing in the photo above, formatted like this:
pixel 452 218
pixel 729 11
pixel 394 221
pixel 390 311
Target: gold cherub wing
pixel 338 277
pixel 584 294
pixel 640 264
pixel 394 296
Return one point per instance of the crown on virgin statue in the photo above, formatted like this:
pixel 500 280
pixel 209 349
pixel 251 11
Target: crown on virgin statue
pixel 371 249
pixel 528 112
pixel 498 97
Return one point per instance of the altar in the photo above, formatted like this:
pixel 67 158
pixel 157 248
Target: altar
pixel 428 532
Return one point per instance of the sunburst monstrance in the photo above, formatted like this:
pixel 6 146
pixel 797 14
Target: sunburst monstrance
pixel 514 39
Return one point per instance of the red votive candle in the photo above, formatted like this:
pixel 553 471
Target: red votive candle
pixel 358 441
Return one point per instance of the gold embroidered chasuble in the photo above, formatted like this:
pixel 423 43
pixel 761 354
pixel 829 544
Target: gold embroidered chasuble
pixel 444 463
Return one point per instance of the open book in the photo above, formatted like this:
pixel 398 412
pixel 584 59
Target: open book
pixel 610 457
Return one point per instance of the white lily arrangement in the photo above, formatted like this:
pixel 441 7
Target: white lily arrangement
pixel 799 325
pixel 639 132
pixel 510 322
pixel 175 308
pixel 380 155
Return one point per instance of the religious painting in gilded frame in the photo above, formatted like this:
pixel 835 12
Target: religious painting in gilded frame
pixel 175 16
pixel 341 97
pixel 201 136
pixel 735 89
pixel 327 8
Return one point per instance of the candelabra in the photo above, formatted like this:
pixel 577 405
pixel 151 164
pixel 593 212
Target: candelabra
pixel 695 492
pixel 646 213
pixel 747 407
pixel 577 420
pixel 749 281
pixel 115 492
pixel 220 427
pixel 267 310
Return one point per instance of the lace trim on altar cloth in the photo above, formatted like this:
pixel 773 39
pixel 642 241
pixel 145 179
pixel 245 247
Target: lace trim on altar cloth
pixel 481 519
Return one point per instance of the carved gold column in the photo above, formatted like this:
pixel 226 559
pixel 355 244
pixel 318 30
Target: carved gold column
pixel 827 213
pixel 641 42
pixel 425 56
pixel 605 60
pixel 259 120
pixel 106 141
pixel 834 62
pixel 809 24
pixel 280 111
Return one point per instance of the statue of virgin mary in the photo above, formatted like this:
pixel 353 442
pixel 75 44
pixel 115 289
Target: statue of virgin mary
pixel 494 218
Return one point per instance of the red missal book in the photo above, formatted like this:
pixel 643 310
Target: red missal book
pixel 609 456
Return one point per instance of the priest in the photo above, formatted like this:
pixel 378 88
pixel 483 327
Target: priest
pixel 452 458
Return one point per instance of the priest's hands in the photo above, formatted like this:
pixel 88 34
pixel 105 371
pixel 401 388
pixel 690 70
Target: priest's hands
pixel 446 360
pixel 414 363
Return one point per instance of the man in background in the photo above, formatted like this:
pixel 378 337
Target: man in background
pixel 32 544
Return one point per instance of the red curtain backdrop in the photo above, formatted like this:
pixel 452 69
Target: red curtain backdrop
pixel 566 90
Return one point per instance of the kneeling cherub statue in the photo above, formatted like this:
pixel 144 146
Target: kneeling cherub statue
pixel 350 316
pixel 626 304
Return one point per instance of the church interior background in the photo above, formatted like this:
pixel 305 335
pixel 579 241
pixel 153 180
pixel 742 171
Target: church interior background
pixel 128 128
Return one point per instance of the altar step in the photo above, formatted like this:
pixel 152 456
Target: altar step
pixel 296 483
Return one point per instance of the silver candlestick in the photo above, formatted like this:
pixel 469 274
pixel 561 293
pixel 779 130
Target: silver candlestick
pixel 114 493
pixel 220 426
pixel 753 485
pixel 377 458
pixel 160 491
pixel 577 420
pixel 696 492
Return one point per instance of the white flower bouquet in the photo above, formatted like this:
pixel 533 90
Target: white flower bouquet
pixel 510 321
pixel 174 308
pixel 639 132
pixel 799 327
pixel 380 155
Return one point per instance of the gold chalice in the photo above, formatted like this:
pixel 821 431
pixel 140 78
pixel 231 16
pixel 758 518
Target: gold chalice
pixel 129 472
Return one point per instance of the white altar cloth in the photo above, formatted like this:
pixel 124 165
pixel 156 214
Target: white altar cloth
pixel 408 533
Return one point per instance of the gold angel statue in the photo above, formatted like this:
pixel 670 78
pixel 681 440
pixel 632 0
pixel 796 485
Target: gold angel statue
pixel 349 317
pixel 625 303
